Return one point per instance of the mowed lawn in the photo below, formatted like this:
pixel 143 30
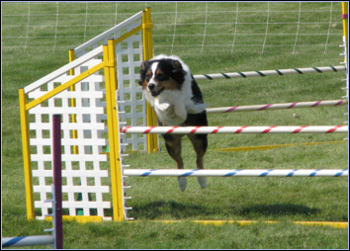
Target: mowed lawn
pixel 210 38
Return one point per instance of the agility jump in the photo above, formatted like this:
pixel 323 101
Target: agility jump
pixel 126 171
pixel 89 148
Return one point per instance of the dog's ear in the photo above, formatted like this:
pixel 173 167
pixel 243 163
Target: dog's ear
pixel 177 66
pixel 143 65
pixel 143 72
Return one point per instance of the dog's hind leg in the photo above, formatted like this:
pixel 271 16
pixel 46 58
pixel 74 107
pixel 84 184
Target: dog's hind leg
pixel 173 146
pixel 200 144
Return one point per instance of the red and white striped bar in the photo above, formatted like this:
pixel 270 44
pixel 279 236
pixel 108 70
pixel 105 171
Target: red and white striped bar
pixel 269 72
pixel 232 129
pixel 237 172
pixel 310 104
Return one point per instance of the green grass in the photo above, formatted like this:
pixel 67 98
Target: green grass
pixel 282 199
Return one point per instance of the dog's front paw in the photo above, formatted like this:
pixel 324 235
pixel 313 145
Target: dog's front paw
pixel 182 181
pixel 164 107
pixel 202 181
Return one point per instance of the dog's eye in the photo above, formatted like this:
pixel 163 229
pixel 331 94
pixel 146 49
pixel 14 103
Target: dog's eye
pixel 148 76
pixel 161 75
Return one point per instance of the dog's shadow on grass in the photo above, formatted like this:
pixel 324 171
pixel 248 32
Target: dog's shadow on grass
pixel 159 209
pixel 279 209
pixel 177 210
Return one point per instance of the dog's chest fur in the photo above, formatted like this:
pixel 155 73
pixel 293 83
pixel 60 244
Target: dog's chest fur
pixel 179 93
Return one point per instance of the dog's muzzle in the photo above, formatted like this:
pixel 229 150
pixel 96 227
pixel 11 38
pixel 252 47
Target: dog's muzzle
pixel 152 87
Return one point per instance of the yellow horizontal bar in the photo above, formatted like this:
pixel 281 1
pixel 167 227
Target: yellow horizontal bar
pixel 323 223
pixel 268 147
pixel 79 219
pixel 249 222
pixel 128 34
pixel 335 224
pixel 64 86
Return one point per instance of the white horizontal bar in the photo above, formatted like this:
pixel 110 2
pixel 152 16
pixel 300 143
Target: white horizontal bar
pixel 67 110
pixel 73 173
pixel 27 241
pixel 68 126
pixel 70 157
pixel 237 172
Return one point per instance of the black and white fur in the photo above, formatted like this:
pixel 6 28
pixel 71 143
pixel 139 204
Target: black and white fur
pixel 170 88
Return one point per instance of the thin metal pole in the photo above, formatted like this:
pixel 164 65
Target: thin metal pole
pixel 57 180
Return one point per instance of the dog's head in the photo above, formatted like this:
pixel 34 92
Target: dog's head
pixel 161 74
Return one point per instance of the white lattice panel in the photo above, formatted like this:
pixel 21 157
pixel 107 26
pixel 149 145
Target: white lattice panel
pixel 83 187
pixel 85 174
pixel 94 85
pixel 129 57
pixel 101 39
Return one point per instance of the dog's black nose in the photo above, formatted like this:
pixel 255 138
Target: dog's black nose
pixel 151 87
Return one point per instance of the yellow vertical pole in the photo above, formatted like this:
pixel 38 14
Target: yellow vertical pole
pixel 152 140
pixel 113 135
pixel 26 155
pixel 71 56
pixel 344 6
pixel 72 101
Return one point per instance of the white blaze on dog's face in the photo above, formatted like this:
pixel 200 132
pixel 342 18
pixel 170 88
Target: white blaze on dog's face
pixel 160 75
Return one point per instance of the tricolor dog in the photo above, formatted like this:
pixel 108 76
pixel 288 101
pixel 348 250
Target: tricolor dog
pixel 171 90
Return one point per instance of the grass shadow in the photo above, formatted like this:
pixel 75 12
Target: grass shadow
pixel 279 210
pixel 176 210
pixel 159 209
